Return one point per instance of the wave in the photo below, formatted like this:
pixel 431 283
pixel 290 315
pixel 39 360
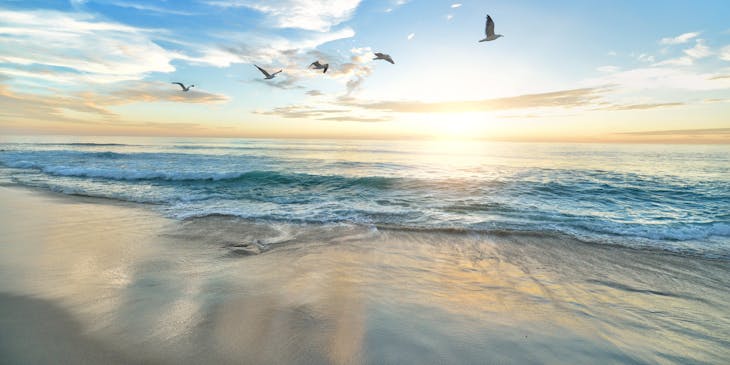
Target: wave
pixel 692 248
pixel 267 177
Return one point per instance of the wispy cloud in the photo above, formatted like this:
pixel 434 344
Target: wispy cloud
pixel 645 58
pixel 562 99
pixel 322 113
pixel 682 38
pixel 679 61
pixel 725 53
pixel 317 15
pixel 682 132
pixel 661 77
pixel 150 8
pixel 700 50
pixel 641 106
pixel 410 36
pixel 456 5
pixel 80 43
pixel 608 68
pixel 96 105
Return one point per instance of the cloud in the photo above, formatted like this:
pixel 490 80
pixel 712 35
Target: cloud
pixel 282 82
pixel 337 114
pixel 349 118
pixel 640 106
pixel 256 48
pixel 79 43
pixel 725 53
pixel 410 36
pixel 314 93
pixel 716 100
pixel 449 17
pixel 316 15
pixel 19 106
pixel 645 58
pixel 608 68
pixel 682 132
pixel 149 8
pixel 563 99
pixel 700 50
pixel 679 61
pixel 660 77
pixel 155 91
pixel 456 5
pixel 682 38
pixel 719 77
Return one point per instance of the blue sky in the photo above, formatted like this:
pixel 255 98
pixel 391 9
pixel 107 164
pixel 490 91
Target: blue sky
pixel 565 70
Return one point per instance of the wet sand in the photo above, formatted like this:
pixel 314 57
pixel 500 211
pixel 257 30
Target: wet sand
pixel 94 281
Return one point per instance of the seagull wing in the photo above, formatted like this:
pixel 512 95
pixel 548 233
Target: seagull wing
pixel 263 71
pixel 326 66
pixel 379 55
pixel 490 27
pixel 389 59
pixel 179 83
pixel 277 72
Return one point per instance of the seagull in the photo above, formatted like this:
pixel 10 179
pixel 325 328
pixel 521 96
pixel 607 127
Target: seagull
pixel 268 75
pixel 319 66
pixel 184 88
pixel 383 56
pixel 489 31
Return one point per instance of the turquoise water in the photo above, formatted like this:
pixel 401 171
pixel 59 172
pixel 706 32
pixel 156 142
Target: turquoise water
pixel 663 197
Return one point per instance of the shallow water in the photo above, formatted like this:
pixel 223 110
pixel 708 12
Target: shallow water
pixel 665 197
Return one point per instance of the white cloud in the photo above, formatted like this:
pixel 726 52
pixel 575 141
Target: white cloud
pixel 449 17
pixel 410 36
pixel 612 53
pixel 725 53
pixel 679 61
pixel 149 8
pixel 682 38
pixel 645 58
pixel 258 48
pixel 660 78
pixel 318 15
pixel 700 50
pixel 78 42
pixel 608 68
pixel 456 5
pixel 79 48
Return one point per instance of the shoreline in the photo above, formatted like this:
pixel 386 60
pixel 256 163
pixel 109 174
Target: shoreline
pixel 132 284
pixel 486 234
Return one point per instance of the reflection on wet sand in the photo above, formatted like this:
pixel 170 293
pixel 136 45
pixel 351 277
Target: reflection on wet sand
pixel 144 288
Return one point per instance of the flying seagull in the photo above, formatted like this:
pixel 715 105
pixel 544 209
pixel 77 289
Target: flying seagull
pixel 489 31
pixel 184 88
pixel 268 75
pixel 383 56
pixel 319 66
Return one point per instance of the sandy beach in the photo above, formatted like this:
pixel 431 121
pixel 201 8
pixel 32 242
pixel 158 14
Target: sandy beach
pixel 88 280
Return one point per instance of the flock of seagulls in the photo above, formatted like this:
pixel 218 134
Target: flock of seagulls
pixel 316 65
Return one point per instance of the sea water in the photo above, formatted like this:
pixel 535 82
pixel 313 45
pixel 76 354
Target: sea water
pixel 657 197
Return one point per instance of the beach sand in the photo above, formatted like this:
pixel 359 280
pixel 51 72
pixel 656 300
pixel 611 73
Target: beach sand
pixel 87 280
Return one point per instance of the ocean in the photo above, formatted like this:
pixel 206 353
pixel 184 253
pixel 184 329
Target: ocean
pixel 657 197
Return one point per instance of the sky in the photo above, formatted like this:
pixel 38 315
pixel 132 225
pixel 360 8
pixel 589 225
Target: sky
pixel 565 70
